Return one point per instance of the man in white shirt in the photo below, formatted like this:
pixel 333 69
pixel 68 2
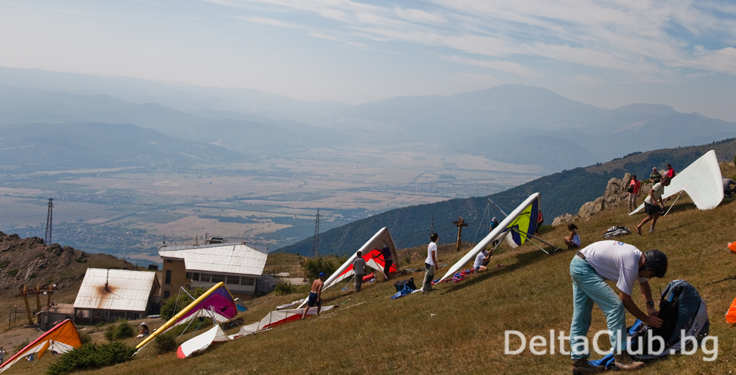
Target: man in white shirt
pixel 650 204
pixel 624 264
pixel 430 263
pixel 481 260
pixel 358 270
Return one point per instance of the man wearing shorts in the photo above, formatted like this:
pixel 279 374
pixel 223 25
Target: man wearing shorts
pixel 315 295
pixel 481 261
pixel 650 204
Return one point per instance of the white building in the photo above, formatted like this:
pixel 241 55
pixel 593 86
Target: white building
pixel 108 295
pixel 238 266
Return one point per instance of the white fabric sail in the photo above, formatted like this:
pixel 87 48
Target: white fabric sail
pixel 381 239
pixel 499 231
pixel 276 318
pixel 701 180
pixel 202 342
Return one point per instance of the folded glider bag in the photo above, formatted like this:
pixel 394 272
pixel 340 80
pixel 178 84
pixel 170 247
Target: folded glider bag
pixel 521 219
pixel 61 339
pixel 731 313
pixel 701 180
pixel 216 303
pixel 732 246
pixel 368 277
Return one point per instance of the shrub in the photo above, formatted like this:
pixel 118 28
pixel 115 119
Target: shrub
pixel 91 356
pixel 12 273
pixel 84 337
pixel 283 288
pixel 4 264
pixel 175 304
pixel 314 266
pixel 165 343
pixel 121 330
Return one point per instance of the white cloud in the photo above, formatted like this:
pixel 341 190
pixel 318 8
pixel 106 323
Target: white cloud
pixel 588 81
pixel 505 66
pixel 268 21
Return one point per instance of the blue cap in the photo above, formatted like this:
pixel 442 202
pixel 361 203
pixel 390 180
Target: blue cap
pixel 322 274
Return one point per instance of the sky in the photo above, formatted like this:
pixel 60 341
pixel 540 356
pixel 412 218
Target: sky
pixel 605 53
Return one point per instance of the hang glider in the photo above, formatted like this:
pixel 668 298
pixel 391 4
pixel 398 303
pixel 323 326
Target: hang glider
pixel 518 227
pixel 276 318
pixel 61 339
pixel 372 254
pixel 202 342
pixel 701 180
pixel 216 303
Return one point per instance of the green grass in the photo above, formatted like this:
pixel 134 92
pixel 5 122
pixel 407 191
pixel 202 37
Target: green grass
pixel 459 328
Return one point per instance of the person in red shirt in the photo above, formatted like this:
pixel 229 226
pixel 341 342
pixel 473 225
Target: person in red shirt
pixel 634 187
pixel 670 172
pixel 540 221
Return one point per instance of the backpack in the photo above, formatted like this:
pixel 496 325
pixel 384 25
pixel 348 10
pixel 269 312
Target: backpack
pixel 401 283
pixel 680 307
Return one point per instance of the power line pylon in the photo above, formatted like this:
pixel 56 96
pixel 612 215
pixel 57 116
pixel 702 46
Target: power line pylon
pixel 49 224
pixel 315 241
pixel 431 226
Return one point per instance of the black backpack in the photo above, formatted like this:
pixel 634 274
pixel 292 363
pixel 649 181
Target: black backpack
pixel 401 283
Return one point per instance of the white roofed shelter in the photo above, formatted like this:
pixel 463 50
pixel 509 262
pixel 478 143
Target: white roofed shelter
pixel 237 265
pixel 109 295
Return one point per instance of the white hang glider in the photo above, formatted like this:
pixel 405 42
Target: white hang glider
pixel 372 253
pixel 701 180
pixel 518 227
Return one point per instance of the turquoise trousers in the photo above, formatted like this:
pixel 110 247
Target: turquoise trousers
pixel 588 287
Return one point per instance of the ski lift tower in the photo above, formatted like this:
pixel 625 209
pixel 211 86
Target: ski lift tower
pixel 49 224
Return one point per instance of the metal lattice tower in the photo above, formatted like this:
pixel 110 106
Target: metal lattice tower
pixel 431 226
pixel 315 241
pixel 49 224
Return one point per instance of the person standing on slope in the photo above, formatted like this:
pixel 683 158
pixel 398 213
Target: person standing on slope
pixel 359 270
pixel 634 186
pixel 655 177
pixel 589 270
pixel 650 204
pixel 315 295
pixel 430 263
pixel 388 259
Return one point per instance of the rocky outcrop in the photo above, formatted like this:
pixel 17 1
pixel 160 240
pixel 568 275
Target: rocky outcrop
pixel 616 195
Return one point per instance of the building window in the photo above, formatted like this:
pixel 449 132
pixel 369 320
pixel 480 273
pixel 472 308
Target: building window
pixel 205 277
pixel 246 281
pixel 166 294
pixel 189 275
pixel 169 261
pixel 235 280
pixel 168 277
pixel 195 276
pixel 218 278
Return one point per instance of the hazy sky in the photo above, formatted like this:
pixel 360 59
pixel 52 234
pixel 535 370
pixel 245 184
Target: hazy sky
pixel 606 53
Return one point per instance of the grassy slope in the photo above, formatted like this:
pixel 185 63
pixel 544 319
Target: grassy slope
pixel 459 327
pixel 562 192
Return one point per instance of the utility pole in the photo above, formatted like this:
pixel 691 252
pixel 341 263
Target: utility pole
pixel 315 240
pixel 49 224
pixel 24 293
pixel 460 223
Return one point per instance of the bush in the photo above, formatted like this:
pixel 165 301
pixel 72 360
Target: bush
pixel 91 356
pixel 4 264
pixel 173 305
pixel 84 337
pixel 314 266
pixel 121 330
pixel 284 288
pixel 12 273
pixel 165 343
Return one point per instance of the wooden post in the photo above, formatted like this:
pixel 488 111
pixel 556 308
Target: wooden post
pixel 38 298
pixel 460 223
pixel 28 305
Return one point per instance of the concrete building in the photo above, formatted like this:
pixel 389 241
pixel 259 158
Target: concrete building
pixel 238 266
pixel 109 295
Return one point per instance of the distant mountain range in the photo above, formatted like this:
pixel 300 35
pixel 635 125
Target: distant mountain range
pixel 510 123
pixel 561 193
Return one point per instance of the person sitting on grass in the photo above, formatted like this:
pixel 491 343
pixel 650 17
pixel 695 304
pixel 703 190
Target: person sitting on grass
pixel 650 204
pixel 315 295
pixel 589 270
pixel 481 261
pixel 143 332
pixel 573 240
